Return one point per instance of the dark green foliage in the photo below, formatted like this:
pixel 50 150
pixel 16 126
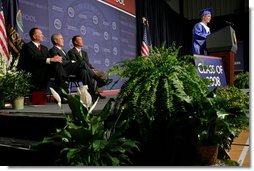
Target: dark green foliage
pixel 14 84
pixel 87 140
pixel 222 116
pixel 237 105
pixel 242 80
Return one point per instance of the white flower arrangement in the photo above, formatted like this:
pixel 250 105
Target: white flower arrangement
pixel 85 98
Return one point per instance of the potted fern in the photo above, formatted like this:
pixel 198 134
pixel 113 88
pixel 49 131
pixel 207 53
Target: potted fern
pixel 156 101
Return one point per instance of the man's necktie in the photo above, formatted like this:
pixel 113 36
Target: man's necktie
pixel 39 47
pixel 80 53
pixel 63 52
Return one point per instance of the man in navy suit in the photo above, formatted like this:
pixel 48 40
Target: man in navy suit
pixel 200 32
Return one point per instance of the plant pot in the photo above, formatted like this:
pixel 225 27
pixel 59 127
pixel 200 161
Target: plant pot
pixel 208 154
pixel 18 103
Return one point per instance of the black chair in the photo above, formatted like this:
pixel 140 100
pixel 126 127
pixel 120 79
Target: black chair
pixel 73 82
pixel 51 83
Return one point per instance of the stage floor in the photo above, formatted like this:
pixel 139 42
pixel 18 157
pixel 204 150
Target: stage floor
pixel 50 109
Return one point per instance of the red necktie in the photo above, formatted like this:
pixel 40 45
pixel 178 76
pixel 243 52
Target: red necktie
pixel 39 47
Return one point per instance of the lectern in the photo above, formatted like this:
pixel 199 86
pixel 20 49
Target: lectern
pixel 223 43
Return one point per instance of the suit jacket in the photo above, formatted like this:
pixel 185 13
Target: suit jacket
pixel 33 60
pixel 31 57
pixel 74 55
pixel 56 51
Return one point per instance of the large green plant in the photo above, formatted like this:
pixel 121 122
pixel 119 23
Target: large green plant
pixel 212 127
pixel 88 140
pixel 158 86
pixel 156 99
pixel 221 116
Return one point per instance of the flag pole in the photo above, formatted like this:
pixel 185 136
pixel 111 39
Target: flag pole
pixel 146 41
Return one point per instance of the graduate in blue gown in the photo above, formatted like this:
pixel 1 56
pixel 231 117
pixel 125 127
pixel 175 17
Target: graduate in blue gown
pixel 200 32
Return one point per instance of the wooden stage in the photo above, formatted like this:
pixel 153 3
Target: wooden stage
pixel 240 149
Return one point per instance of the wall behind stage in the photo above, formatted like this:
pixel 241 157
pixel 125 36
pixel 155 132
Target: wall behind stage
pixel 109 34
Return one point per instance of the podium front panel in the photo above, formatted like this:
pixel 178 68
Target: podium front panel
pixel 222 40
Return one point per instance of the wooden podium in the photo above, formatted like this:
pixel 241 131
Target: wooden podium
pixel 222 43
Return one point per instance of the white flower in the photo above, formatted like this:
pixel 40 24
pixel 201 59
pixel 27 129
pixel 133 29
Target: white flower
pixel 56 96
pixel 85 96
pixel 93 106
pixel 86 99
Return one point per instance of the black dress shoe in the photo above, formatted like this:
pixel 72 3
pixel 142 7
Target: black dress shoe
pixel 108 81
pixel 104 82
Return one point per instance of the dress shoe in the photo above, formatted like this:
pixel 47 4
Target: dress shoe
pixel 108 81
pixel 104 82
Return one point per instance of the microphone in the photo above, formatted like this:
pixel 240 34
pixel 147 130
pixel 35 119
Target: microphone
pixel 228 22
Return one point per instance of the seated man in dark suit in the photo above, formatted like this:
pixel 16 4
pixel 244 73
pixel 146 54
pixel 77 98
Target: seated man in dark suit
pixel 35 59
pixel 79 55
pixel 72 67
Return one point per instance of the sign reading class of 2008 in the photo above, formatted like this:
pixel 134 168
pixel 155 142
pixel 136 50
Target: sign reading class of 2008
pixel 211 68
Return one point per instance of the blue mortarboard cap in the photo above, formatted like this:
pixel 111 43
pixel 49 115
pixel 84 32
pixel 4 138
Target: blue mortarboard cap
pixel 206 11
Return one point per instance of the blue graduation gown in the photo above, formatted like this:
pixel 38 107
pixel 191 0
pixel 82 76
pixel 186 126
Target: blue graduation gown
pixel 199 35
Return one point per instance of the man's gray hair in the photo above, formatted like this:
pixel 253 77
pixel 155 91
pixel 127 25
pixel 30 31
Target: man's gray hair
pixel 54 37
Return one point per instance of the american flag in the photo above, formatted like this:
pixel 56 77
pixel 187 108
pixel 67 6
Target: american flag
pixel 3 37
pixel 14 26
pixel 146 42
